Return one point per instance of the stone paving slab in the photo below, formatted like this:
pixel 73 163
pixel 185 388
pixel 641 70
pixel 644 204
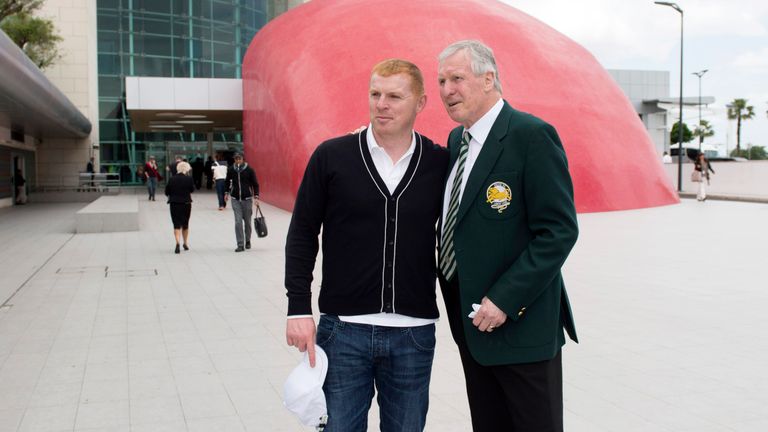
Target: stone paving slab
pixel 114 332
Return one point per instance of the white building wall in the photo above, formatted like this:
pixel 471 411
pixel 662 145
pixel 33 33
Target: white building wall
pixel 640 85
pixel 76 75
pixel 738 179
pixel 202 94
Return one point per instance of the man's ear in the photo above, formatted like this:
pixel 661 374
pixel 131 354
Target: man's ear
pixel 421 103
pixel 489 78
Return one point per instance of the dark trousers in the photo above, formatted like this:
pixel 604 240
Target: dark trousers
pixel 221 188
pixel 526 397
pixel 243 211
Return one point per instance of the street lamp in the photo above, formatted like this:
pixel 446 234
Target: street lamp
pixel 680 124
pixel 700 74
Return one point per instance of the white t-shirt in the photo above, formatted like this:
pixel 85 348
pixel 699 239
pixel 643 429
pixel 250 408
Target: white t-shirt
pixel 219 171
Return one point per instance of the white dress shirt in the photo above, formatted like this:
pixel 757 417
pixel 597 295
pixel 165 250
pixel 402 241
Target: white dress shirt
pixel 479 132
pixel 390 172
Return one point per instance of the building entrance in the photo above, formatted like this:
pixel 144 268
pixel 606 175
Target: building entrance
pixel 196 153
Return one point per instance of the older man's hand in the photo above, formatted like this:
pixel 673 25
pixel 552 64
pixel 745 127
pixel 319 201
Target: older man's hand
pixel 489 316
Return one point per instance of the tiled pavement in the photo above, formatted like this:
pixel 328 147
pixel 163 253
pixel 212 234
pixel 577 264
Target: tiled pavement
pixel 113 332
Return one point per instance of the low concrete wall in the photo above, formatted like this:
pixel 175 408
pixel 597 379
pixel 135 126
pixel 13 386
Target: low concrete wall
pixel 69 196
pixel 737 179
pixel 109 214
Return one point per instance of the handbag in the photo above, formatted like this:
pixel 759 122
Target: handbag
pixel 696 176
pixel 259 223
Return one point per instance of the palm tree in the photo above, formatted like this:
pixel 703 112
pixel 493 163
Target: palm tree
pixel 703 130
pixel 739 110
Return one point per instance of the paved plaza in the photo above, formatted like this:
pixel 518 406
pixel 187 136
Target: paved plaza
pixel 114 332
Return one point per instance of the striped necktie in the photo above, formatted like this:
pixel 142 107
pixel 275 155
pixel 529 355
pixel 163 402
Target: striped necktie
pixel 447 253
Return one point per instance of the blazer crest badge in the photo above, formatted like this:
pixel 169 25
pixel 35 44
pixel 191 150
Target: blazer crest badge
pixel 499 196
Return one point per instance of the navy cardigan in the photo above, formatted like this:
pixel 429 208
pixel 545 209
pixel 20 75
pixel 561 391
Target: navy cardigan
pixel 378 248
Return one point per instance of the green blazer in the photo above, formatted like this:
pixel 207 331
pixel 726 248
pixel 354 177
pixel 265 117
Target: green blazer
pixel 516 226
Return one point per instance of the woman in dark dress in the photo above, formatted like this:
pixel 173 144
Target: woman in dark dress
pixel 178 190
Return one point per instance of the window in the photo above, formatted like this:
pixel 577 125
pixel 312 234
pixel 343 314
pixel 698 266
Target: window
pixel 165 38
pixel 109 64
pixel 110 109
pixel 110 86
pixel 109 41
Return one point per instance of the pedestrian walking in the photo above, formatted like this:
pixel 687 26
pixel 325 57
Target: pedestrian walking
pixel 208 173
pixel 197 172
pixel 244 192
pixel 701 169
pixel 219 169
pixel 178 190
pixel 90 169
pixel 153 176
pixel 21 190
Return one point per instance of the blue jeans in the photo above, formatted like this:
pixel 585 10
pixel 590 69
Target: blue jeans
pixel 220 189
pixel 151 186
pixel 397 360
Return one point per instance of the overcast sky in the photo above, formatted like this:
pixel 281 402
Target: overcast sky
pixel 730 38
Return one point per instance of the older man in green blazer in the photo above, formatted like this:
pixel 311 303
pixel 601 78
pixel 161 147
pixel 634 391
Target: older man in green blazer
pixel 508 224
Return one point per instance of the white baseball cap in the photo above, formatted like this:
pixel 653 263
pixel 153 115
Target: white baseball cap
pixel 303 390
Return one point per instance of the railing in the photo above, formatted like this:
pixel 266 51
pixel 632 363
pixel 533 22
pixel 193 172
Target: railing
pixel 98 181
pixel 83 182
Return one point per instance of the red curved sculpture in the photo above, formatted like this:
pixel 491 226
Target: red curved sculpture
pixel 305 79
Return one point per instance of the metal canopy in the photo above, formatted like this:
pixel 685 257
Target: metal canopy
pixel 29 100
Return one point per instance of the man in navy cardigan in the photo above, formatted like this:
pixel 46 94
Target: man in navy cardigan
pixel 376 195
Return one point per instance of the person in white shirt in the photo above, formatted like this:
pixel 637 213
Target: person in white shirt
pixel 376 197
pixel 219 169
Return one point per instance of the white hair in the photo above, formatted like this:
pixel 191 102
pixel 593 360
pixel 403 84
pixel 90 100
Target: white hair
pixel 183 168
pixel 480 58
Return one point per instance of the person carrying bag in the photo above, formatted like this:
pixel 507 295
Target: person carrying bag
pixel 700 173
pixel 244 194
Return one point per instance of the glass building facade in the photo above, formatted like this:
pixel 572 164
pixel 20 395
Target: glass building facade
pixel 167 38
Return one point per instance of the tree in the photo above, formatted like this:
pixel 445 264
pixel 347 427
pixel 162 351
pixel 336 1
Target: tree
pixel 753 153
pixel 35 36
pixel 15 7
pixel 674 136
pixel 739 110
pixel 758 153
pixel 703 130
